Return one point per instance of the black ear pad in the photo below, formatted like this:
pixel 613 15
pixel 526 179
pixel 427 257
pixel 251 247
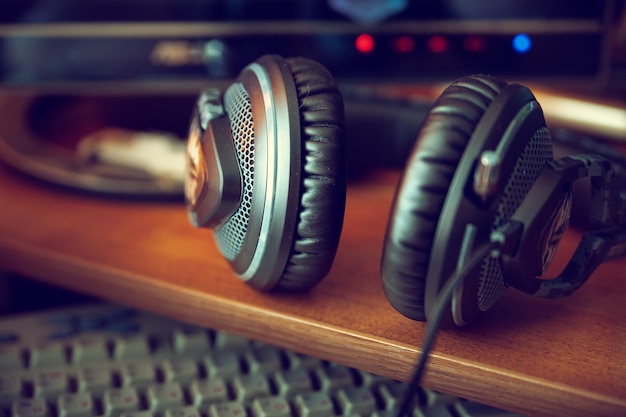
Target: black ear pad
pixel 323 179
pixel 423 188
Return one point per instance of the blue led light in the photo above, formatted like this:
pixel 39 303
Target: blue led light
pixel 522 43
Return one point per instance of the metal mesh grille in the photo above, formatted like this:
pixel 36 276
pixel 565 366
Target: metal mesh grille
pixel 230 235
pixel 536 153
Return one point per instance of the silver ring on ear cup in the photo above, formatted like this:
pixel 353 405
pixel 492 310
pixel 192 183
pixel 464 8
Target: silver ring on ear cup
pixel 257 239
pixel 268 140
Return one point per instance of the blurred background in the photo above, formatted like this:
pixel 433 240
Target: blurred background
pixel 75 74
pixel 71 41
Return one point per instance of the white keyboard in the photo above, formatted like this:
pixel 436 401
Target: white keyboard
pixel 113 361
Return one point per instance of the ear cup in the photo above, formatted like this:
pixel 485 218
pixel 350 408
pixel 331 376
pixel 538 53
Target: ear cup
pixel 323 178
pixel 424 186
pixel 286 123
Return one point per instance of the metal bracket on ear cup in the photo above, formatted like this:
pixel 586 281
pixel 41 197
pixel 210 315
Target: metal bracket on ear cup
pixel 487 175
pixel 594 249
pixel 213 182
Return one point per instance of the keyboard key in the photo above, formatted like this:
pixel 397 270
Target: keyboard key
pixel 75 405
pixel 299 361
pixel 138 374
pixel 433 398
pixel 47 354
pixel 50 384
pixel 292 382
pixel 271 407
pixel 190 341
pixel 30 407
pixel 231 342
pixel 392 393
pixel 333 377
pixel 94 379
pixel 180 369
pixel 10 357
pixel 138 414
pixel 264 359
pixel 417 412
pixel 131 347
pixel 206 391
pixel 393 413
pixel 250 386
pixel 182 412
pixel 438 410
pixel 89 349
pixel 228 409
pixel 222 364
pixel 120 400
pixel 372 380
pixel 163 396
pixel 10 388
pixel 356 400
pixel 314 404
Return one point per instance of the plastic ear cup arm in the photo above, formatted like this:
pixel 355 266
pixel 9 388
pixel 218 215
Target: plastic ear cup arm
pixel 223 181
pixel 608 205
pixel 596 247
pixel 607 209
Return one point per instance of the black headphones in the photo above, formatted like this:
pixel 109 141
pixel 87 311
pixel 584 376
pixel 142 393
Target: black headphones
pixel 267 172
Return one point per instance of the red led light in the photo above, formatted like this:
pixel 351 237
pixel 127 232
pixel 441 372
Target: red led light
pixel 364 43
pixel 475 43
pixel 437 44
pixel 403 44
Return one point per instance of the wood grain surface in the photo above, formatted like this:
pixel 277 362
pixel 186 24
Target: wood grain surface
pixel 538 357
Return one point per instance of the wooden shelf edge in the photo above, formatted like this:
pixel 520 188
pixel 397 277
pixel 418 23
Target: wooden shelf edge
pixel 517 392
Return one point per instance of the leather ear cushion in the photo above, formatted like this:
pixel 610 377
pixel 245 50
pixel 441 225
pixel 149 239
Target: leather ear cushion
pixel 422 190
pixel 323 178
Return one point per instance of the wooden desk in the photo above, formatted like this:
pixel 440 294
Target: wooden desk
pixel 564 357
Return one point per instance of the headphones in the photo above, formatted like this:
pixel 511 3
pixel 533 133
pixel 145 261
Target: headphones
pixel 266 170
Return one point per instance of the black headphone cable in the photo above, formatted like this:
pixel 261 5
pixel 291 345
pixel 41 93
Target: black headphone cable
pixel 491 248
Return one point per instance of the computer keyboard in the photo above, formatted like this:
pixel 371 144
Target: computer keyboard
pixel 113 361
